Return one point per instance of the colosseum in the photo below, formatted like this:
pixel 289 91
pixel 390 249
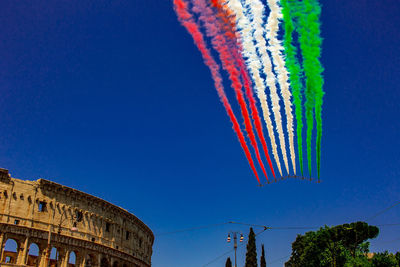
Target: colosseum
pixel 49 224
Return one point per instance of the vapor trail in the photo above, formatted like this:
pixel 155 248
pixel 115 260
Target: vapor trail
pixel 275 48
pixel 187 20
pixel 219 43
pixel 228 26
pixel 256 12
pixel 254 64
pixel 309 12
pixel 295 76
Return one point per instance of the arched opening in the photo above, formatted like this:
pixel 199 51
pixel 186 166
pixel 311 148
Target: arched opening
pixel 104 263
pixel 10 251
pixel 54 256
pixel 72 259
pixel 115 264
pixel 33 255
pixel 89 260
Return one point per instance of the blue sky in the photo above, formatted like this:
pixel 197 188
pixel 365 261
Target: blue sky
pixel 112 98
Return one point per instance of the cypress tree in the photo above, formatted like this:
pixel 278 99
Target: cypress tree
pixel 263 263
pixel 251 254
pixel 228 262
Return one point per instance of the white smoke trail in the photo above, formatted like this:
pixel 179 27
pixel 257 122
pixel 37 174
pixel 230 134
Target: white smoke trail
pixel 275 47
pixel 254 65
pixel 255 10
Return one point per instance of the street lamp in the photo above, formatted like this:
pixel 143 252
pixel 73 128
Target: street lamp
pixel 234 234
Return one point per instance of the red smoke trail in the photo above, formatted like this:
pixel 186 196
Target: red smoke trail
pixel 229 29
pixel 255 115
pixel 188 22
pixel 219 43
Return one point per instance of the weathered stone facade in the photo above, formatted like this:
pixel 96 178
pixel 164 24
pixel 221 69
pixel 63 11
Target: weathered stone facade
pixel 52 215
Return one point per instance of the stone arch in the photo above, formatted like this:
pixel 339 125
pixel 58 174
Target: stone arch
pixel 33 254
pixel 104 262
pixel 54 257
pixel 90 260
pixel 72 259
pixel 10 252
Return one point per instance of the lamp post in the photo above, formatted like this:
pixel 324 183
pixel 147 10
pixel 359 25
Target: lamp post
pixel 234 234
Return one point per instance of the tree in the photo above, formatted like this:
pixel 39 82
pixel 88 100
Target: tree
pixel 228 262
pixel 333 246
pixel 384 259
pixel 263 263
pixel 251 254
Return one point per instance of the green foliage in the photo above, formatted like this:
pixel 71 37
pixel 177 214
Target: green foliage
pixel 263 263
pixel 342 245
pixel 385 259
pixel 360 259
pixel 251 254
pixel 228 262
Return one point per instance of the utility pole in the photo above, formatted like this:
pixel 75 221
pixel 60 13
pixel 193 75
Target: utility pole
pixel 234 234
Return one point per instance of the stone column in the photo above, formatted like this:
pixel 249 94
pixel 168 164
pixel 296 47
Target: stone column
pixel 44 257
pixel 2 235
pixel 80 260
pixel 65 259
pixel 95 258
pixel 24 252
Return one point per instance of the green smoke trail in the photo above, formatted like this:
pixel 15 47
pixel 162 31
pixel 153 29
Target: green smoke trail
pixel 319 82
pixel 308 13
pixel 295 71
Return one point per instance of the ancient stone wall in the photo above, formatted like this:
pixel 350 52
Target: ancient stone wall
pixel 52 215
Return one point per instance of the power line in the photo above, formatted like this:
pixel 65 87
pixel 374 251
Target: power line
pixel 280 259
pixel 390 241
pixel 383 211
pixel 249 224
pixel 192 229
pixel 255 225
pixel 238 223
pixel 294 228
pixel 220 256
pixel 209 226
pixel 389 224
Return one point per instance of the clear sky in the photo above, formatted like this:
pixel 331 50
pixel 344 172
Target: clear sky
pixel 112 98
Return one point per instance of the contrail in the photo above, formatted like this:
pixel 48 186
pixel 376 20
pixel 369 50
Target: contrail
pixel 254 64
pixel 228 26
pixel 275 48
pixel 256 12
pixel 295 76
pixel 219 43
pixel 309 12
pixel 187 20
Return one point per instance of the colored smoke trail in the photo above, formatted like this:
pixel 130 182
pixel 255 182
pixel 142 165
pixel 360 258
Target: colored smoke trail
pixel 308 12
pixel 317 68
pixel 228 26
pixel 189 23
pixel 295 77
pixel 275 48
pixel 256 12
pixel 219 43
pixel 254 64
pixel 256 117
